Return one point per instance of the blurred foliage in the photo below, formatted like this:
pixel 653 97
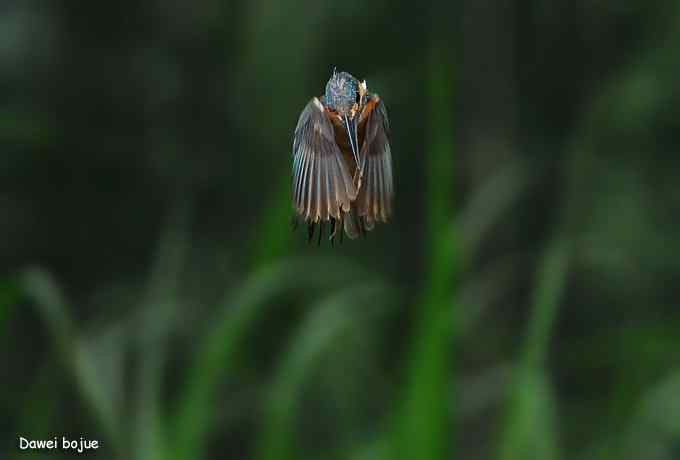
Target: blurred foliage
pixel 522 303
pixel 429 380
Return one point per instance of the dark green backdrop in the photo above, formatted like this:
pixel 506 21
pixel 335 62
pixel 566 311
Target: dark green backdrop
pixel 522 304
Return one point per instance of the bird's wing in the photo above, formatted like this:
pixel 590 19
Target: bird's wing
pixel 374 201
pixel 322 185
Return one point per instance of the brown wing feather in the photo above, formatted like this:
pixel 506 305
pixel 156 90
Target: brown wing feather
pixel 322 185
pixel 374 201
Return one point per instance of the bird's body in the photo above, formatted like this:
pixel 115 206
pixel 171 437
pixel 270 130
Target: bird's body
pixel 342 165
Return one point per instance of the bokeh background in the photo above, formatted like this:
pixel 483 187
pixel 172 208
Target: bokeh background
pixel 522 304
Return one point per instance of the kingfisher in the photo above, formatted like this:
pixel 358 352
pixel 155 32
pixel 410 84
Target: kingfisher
pixel 342 160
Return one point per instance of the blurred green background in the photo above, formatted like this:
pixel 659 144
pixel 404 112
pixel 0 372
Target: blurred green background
pixel 522 304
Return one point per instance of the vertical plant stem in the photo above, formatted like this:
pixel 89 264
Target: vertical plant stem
pixel 215 356
pixel 551 278
pixel 424 430
pixel 329 321
pixel 160 302
pixel 529 428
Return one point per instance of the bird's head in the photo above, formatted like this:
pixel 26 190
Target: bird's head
pixel 346 96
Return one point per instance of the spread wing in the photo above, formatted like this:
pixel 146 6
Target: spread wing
pixel 374 201
pixel 322 185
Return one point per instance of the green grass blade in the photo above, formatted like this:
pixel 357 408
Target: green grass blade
pixel 423 429
pixel 159 314
pixel 325 324
pixel 215 355
pixel 529 430
pixel 86 368
pixel 550 285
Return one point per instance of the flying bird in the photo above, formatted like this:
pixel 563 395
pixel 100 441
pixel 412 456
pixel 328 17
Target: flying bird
pixel 342 161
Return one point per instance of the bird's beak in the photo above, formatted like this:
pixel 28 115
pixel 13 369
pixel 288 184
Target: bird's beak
pixel 351 127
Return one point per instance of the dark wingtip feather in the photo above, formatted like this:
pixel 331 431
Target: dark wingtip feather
pixel 353 226
pixel 333 232
pixel 362 226
pixel 310 232
pixel 342 231
pixel 321 224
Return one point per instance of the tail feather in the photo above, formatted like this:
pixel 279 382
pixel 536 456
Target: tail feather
pixel 350 224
